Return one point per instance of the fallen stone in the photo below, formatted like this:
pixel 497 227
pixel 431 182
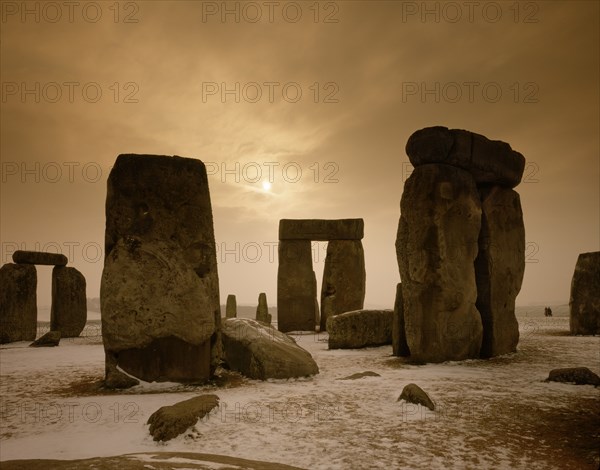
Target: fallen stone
pixel 489 161
pixel 436 247
pixel 360 375
pixel 344 279
pixel 170 421
pixel 68 313
pixel 576 375
pixel 360 329
pixel 39 257
pixel 412 393
pixel 259 351
pixel 18 303
pixel 231 307
pixel 499 269
pixel 50 339
pixel 321 229
pixel 584 303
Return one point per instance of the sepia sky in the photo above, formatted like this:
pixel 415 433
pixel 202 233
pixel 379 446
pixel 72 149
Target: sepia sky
pixel 318 98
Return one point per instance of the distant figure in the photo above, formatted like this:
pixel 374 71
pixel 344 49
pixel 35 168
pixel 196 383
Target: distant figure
pixel 547 312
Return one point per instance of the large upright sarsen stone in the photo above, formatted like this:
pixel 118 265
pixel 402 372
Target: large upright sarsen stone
pixel 436 248
pixel 69 305
pixel 344 279
pixel 18 305
pixel 159 293
pixel 499 268
pixel 585 295
pixel 296 287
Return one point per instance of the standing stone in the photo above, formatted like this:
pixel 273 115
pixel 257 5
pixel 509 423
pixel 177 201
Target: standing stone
pixel 436 249
pixel 18 303
pixel 296 288
pixel 399 345
pixel 499 269
pixel 159 293
pixel 69 308
pixel 344 279
pixel 585 295
pixel 39 257
pixel 262 311
pixel 231 307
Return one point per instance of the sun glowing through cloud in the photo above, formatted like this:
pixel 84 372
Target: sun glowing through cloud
pixel 266 186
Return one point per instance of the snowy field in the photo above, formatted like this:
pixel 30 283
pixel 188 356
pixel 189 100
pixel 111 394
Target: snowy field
pixel 496 413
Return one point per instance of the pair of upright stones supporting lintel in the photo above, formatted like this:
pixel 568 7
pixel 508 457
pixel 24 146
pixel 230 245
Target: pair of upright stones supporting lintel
pixel 460 247
pixel 18 299
pixel 343 286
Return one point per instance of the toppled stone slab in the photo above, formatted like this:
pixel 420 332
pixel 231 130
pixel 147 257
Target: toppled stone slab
pixel 489 161
pixel 361 375
pixel 576 375
pixel 18 303
pixel 259 351
pixel 39 257
pixel 360 329
pixel 50 339
pixel 412 393
pixel 584 303
pixel 170 421
pixel 321 229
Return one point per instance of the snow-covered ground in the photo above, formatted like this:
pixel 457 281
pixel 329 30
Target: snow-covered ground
pixel 496 413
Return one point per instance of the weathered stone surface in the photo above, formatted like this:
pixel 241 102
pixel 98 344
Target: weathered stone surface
pixel 436 249
pixel 576 375
pixel 489 161
pixel 499 269
pixel 399 344
pixel 39 257
pixel 262 311
pixel 170 421
pixel 412 393
pixel 231 307
pixel 18 304
pixel 361 375
pixel 68 313
pixel 360 329
pixel 296 287
pixel 321 229
pixel 50 339
pixel 261 352
pixel 115 378
pixel 159 292
pixel 585 295
pixel 344 279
